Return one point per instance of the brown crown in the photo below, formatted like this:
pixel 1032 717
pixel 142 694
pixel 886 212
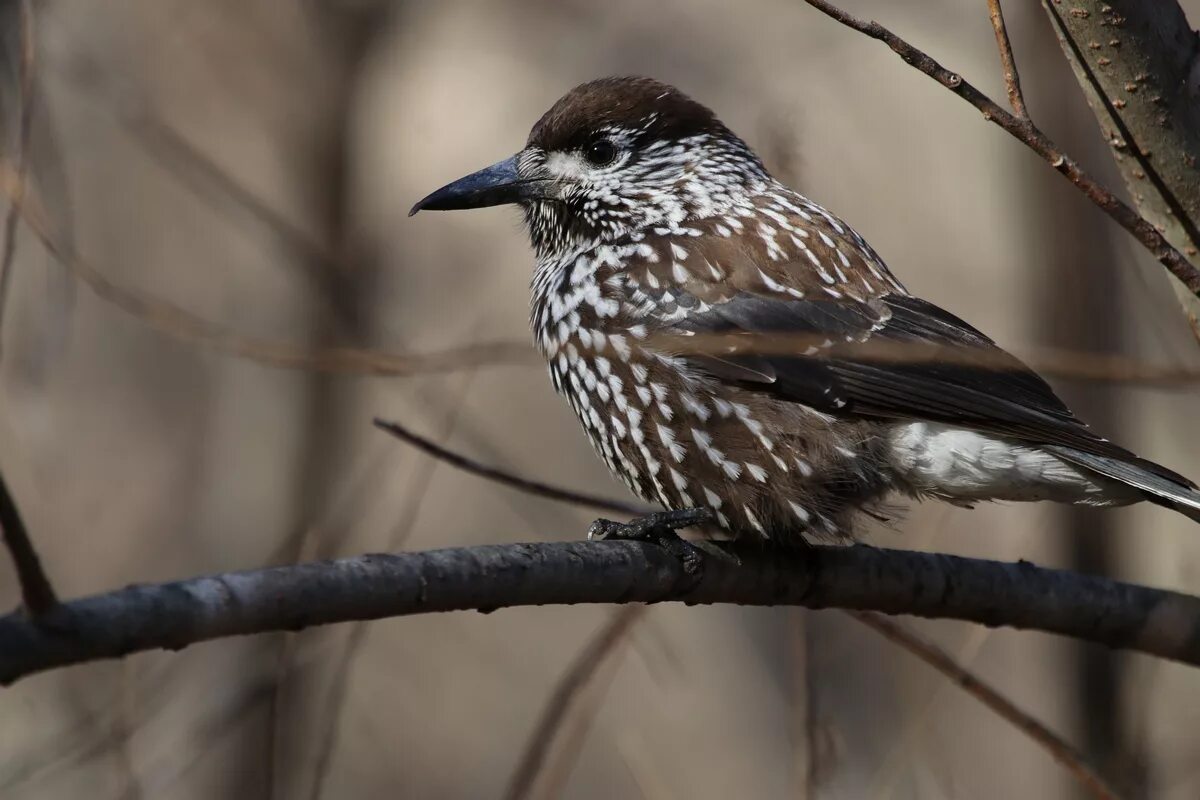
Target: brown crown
pixel 622 102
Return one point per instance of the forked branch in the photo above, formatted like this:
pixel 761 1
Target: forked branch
pixel 1035 139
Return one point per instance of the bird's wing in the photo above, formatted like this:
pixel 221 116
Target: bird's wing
pixel 1001 396
pixel 804 317
pixel 825 372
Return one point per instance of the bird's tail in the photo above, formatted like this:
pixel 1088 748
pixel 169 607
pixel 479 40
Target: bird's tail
pixel 1157 483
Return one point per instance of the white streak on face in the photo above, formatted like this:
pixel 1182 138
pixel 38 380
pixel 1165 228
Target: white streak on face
pixel 569 166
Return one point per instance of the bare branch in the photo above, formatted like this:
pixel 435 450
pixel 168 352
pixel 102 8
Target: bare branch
pixel 507 478
pixel 1064 364
pixel 171 320
pixel 313 259
pixel 1135 62
pixel 25 83
pixel 36 593
pixel 175 615
pixel 410 505
pixel 1035 139
pixel 182 325
pixel 1074 761
pixel 578 675
pixel 563 699
pixel 1012 80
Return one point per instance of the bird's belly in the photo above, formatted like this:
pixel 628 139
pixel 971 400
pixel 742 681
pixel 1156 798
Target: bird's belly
pixel 684 441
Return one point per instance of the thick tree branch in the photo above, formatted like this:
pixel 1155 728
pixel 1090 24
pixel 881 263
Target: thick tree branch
pixel 1138 65
pixel 584 667
pixel 1035 139
pixel 175 615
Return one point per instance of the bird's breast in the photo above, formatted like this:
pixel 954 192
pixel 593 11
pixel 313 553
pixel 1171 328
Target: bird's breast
pixel 678 438
pixel 670 429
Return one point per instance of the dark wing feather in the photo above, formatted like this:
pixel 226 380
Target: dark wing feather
pixel 798 271
pixel 1004 397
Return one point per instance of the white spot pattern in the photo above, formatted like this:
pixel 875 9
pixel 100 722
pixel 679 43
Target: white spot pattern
pixel 596 342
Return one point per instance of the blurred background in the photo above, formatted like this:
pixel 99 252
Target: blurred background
pixel 252 162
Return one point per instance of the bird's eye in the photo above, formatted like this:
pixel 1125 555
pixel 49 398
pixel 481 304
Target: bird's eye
pixel 601 153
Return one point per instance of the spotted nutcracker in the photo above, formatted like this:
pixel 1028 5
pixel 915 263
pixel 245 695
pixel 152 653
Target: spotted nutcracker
pixel 654 225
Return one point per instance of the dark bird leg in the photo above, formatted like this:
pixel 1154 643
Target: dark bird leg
pixel 659 528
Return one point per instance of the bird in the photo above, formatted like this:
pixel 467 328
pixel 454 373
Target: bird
pixel 732 347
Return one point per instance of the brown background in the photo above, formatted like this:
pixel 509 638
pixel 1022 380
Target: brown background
pixel 252 162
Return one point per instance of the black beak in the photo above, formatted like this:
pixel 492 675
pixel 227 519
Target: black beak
pixel 493 186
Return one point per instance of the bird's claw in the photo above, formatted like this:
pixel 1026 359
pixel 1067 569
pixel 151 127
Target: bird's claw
pixel 659 528
pixel 649 526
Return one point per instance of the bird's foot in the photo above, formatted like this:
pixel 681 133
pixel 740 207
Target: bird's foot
pixel 659 528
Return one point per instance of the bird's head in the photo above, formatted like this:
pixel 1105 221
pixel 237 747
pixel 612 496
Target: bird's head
pixel 612 157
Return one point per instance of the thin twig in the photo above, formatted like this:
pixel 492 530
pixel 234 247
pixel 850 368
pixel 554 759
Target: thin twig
pixel 410 505
pixel 1035 139
pixel 194 167
pixel 25 82
pixel 906 743
pixel 646 772
pixel 37 594
pixel 576 727
pixel 182 325
pixel 507 478
pixel 584 668
pixel 311 257
pixel 806 729
pixel 124 723
pixel 1012 80
pixel 1064 364
pixel 314 259
pixel 173 321
pixel 916 645
pixel 563 699
pixel 1074 761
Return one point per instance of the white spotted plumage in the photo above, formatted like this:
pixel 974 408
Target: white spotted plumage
pixel 648 217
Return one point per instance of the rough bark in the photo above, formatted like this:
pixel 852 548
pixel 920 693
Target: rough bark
pixel 485 578
pixel 1139 65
